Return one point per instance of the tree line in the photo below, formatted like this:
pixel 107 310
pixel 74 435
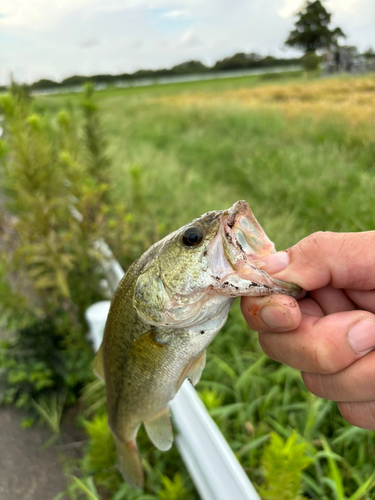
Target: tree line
pixel 239 61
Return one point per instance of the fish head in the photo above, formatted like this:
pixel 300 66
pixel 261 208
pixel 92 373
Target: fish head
pixel 176 274
pixel 236 255
pixel 218 253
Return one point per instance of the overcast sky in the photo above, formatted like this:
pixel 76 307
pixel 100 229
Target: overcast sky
pixel 58 38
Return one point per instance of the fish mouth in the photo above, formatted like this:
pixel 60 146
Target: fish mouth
pixel 237 251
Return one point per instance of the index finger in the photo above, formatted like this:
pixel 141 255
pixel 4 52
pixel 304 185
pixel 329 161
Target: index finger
pixel 344 260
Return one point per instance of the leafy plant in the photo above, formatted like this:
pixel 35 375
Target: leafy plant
pixel 46 358
pixel 211 399
pixel 173 488
pixel 100 457
pixel 50 410
pixel 55 173
pixel 283 463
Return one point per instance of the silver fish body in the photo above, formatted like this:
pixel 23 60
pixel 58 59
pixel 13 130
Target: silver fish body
pixel 166 310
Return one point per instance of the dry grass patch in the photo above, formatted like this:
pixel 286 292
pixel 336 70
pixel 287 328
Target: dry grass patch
pixel 352 97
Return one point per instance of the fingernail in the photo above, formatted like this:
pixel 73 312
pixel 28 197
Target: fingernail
pixel 276 317
pixel 362 336
pixel 275 262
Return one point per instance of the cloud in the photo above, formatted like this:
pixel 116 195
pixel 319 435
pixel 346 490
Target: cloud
pixel 291 7
pixel 189 39
pixel 58 38
pixel 36 13
pixel 177 14
pixel 88 44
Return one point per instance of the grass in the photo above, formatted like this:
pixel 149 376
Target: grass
pixel 293 170
pixel 302 153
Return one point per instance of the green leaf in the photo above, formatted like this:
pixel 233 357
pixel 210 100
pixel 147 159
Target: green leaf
pixel 89 490
pixel 364 488
pixel 335 474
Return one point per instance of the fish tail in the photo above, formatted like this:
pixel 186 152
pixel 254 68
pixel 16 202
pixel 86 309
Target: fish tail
pixel 130 462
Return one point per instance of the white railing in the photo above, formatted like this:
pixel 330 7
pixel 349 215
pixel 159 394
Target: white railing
pixel 215 470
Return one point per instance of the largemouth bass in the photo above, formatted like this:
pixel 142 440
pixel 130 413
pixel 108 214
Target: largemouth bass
pixel 166 310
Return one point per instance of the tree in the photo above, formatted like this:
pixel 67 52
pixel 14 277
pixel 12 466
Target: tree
pixel 312 30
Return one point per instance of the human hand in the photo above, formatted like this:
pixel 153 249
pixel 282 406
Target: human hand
pixel 330 333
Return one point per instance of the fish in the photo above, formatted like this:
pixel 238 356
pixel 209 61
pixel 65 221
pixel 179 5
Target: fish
pixel 165 312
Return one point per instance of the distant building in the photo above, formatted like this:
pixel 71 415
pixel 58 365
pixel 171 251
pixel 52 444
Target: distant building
pixel 346 59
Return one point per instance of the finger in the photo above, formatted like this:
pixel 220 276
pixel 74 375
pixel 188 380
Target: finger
pixel 355 383
pixel 359 414
pixel 276 313
pixel 309 307
pixel 344 260
pixel 332 300
pixel 323 345
pixel 365 299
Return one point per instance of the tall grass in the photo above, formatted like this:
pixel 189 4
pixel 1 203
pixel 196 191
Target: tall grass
pixel 304 163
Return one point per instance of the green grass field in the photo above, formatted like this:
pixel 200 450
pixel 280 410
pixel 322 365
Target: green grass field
pixel 302 153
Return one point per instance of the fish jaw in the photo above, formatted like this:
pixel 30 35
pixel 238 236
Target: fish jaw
pixel 236 255
pixel 243 238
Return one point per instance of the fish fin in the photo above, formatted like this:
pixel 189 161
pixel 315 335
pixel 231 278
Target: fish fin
pixel 130 463
pixel 159 430
pixel 197 368
pixel 98 363
pixel 193 370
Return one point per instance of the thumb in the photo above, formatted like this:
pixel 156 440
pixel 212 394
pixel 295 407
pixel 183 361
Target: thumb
pixel 344 260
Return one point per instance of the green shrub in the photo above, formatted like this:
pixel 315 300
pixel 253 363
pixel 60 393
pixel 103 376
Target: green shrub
pixel 100 459
pixel 46 358
pixel 283 463
pixel 173 489
pixel 310 61
pixel 55 172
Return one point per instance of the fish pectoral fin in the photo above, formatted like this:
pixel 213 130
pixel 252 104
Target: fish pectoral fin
pixel 159 430
pixel 193 370
pixel 197 368
pixel 130 463
pixel 98 363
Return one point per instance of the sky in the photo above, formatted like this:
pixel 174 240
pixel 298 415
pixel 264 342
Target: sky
pixel 59 38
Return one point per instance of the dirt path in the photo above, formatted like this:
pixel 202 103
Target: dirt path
pixel 26 472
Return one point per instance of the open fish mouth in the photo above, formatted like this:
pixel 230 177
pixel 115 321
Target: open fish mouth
pixel 236 255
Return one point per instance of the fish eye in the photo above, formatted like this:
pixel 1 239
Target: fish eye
pixel 193 236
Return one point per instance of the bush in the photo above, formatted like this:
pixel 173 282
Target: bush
pixel 310 61
pixel 45 358
pixel 55 173
pixel 283 464
pixel 56 177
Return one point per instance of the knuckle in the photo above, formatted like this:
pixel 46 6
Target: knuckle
pixel 318 239
pixel 307 249
pixel 323 359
